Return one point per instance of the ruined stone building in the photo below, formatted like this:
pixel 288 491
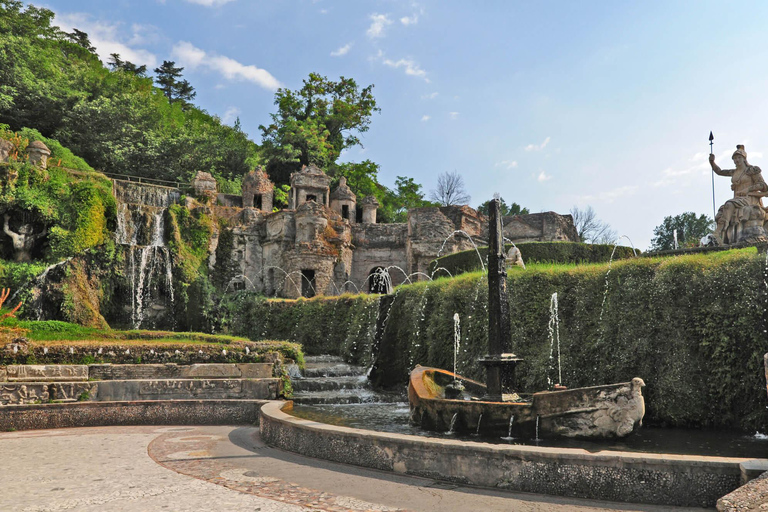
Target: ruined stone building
pixel 327 242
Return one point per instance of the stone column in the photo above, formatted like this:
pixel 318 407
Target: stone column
pixel 370 204
pixel 498 307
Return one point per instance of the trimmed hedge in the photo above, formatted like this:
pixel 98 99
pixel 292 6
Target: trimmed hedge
pixel 692 327
pixel 535 252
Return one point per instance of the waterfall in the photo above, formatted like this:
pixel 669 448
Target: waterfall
pixel 141 230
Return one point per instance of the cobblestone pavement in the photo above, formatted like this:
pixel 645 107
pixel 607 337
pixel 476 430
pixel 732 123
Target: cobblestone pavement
pixel 222 469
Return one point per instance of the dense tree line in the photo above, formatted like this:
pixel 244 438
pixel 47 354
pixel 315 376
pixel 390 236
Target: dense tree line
pixel 120 120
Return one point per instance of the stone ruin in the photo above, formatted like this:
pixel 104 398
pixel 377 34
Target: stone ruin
pixel 325 244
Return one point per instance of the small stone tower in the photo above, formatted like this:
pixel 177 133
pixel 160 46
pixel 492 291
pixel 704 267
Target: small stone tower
pixel 38 154
pixel 258 190
pixel 370 205
pixel 309 184
pixel 344 201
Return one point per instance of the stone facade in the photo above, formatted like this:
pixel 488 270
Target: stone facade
pixel 321 246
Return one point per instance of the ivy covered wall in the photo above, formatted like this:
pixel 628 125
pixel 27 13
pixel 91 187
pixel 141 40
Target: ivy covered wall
pixel 692 327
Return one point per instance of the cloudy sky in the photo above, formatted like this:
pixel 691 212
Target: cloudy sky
pixel 550 103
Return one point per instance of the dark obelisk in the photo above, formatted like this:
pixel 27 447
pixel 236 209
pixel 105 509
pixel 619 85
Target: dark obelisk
pixel 499 365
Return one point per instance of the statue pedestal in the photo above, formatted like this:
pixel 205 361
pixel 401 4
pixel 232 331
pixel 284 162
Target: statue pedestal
pixel 500 369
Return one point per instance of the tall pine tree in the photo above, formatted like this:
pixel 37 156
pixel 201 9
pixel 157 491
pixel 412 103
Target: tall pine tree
pixel 174 89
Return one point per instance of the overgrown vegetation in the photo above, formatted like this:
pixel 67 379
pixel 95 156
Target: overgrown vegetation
pixel 534 252
pixel 692 327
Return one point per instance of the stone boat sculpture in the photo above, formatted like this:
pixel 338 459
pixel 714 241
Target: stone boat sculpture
pixel 598 412
pixel 443 401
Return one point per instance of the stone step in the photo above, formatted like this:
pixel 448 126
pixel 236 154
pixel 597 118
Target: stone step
pixel 336 370
pixel 330 383
pixel 324 358
pixel 364 396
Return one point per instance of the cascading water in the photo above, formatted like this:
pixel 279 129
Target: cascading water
pixel 554 340
pixel 141 230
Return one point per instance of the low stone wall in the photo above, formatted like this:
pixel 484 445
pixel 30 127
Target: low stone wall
pixel 128 390
pixel 99 414
pixel 175 371
pixel 617 476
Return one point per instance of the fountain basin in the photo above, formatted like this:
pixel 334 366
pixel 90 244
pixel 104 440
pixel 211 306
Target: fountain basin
pixel 654 478
pixel 599 412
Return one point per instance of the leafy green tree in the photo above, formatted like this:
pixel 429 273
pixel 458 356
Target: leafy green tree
pixel 81 39
pixel 406 195
pixel 690 229
pixel 506 210
pixel 116 63
pixel 314 124
pixel 174 89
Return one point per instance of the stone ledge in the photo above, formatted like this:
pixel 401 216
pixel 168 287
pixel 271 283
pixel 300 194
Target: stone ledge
pixel 102 414
pixel 665 479
pixel 749 497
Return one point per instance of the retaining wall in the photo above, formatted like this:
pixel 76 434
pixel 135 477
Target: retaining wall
pixel 617 476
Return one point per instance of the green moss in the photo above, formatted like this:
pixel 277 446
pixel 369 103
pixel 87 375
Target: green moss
pixel 693 327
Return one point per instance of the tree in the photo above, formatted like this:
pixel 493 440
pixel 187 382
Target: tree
pixel 690 229
pixel 174 89
pixel 590 228
pixel 80 38
pixel 116 63
pixel 315 123
pixel 506 211
pixel 450 190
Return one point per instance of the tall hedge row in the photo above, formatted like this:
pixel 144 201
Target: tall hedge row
pixel 534 252
pixel 693 327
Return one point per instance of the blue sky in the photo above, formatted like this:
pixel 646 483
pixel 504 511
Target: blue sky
pixel 553 104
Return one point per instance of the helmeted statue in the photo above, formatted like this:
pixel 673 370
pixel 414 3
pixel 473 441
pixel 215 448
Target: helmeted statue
pixel 741 218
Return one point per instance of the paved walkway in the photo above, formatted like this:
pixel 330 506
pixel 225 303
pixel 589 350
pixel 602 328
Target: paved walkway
pixel 222 469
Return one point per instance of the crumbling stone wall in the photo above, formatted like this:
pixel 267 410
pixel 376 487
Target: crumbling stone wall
pixel 540 227
pixel 378 245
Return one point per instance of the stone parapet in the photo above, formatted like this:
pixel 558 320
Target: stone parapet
pixel 98 414
pixel 186 389
pixel 175 371
pixel 663 479
pixel 47 373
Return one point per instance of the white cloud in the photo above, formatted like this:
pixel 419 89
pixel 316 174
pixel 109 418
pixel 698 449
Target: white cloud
pixel 342 51
pixel 230 115
pixel 107 39
pixel 210 3
pixel 453 115
pixel 537 147
pixel 425 117
pixel 410 66
pixel 507 164
pixel 190 56
pixel 430 96
pixel 378 23
pixel 409 20
pixel 543 176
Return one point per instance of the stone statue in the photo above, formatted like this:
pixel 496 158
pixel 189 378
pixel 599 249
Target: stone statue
pixel 742 217
pixel 24 240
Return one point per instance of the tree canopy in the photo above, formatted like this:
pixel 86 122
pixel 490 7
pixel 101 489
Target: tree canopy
pixel 315 123
pixel 506 210
pixel 690 230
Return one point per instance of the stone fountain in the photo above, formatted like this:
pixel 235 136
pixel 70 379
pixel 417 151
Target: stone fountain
pixel 444 401
pixel 499 365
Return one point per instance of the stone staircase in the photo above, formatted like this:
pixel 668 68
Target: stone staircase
pixel 329 380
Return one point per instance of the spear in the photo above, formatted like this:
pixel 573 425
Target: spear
pixel 711 152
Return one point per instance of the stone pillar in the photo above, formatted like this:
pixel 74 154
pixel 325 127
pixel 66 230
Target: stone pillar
pixel 38 154
pixel 370 205
pixel 266 202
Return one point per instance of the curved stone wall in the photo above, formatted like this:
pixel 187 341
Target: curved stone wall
pixel 617 476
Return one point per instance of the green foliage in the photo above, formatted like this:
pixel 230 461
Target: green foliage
pixel 14 275
pixel 315 123
pixel 506 210
pixel 690 230
pixel 691 326
pixel 395 203
pixel 535 252
pixel 115 119
pixel 174 89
